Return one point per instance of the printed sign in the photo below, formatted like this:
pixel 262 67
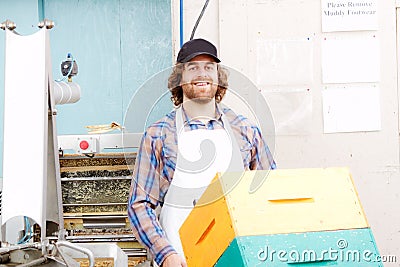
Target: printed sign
pixel 353 15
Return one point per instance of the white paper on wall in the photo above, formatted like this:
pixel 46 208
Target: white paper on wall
pixel 339 15
pixel 350 60
pixel 285 62
pixel 291 110
pixel 351 109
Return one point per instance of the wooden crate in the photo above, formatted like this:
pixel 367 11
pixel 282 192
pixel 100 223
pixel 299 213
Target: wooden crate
pixel 289 201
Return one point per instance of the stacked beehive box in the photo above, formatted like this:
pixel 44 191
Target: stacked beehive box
pixel 311 217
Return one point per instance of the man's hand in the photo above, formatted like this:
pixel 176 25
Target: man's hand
pixel 174 260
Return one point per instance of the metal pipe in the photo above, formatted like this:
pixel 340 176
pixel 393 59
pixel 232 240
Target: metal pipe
pixel 19 247
pixel 93 204
pixel 103 225
pixel 33 263
pixel 103 178
pixel 98 238
pixel 66 92
pixel 78 248
pixel 180 23
pixel 95 216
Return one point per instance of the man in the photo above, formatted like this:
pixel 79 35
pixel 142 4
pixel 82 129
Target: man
pixel 173 168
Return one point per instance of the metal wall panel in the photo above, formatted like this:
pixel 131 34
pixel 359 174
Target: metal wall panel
pixel 118 45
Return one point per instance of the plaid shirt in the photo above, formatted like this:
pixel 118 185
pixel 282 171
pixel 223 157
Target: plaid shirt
pixel 155 166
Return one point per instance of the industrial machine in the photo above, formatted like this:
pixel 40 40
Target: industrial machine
pixel 33 199
pixel 95 188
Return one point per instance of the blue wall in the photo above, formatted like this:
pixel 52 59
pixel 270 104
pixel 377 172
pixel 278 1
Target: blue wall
pixel 118 45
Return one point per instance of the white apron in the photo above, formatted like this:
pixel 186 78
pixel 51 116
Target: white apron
pixel 201 154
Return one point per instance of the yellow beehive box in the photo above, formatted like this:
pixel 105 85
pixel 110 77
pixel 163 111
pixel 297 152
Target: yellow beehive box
pixel 288 201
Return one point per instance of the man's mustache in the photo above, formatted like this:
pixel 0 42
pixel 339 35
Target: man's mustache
pixel 209 81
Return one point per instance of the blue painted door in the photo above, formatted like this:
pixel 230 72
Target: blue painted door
pixel 118 45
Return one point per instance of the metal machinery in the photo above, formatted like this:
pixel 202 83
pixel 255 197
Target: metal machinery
pixel 35 198
pixel 95 188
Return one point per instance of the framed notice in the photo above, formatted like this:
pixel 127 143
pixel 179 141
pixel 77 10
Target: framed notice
pixel 350 15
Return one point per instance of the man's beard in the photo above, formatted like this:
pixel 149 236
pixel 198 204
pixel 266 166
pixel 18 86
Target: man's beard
pixel 193 93
pixel 201 100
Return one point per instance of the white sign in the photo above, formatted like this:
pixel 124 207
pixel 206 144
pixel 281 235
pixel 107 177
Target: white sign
pixel 350 60
pixel 350 15
pixel 351 109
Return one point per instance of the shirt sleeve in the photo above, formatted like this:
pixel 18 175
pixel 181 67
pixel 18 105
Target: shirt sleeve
pixel 261 157
pixel 144 198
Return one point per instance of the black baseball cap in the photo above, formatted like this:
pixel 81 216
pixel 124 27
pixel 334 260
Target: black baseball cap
pixel 196 47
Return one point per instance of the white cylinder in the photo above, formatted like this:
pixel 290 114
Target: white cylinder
pixel 66 92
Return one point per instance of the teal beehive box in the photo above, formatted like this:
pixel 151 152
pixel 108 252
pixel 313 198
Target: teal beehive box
pixel 288 201
pixel 344 248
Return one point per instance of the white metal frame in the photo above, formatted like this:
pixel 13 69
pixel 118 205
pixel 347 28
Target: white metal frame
pixel 105 141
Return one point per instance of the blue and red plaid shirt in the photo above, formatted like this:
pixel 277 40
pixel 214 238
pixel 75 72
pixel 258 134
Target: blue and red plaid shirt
pixel 155 166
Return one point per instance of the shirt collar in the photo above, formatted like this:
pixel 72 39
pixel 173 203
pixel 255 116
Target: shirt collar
pixel 189 121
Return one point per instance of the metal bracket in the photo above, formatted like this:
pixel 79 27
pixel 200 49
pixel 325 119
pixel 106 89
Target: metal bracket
pixel 46 22
pixel 8 24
